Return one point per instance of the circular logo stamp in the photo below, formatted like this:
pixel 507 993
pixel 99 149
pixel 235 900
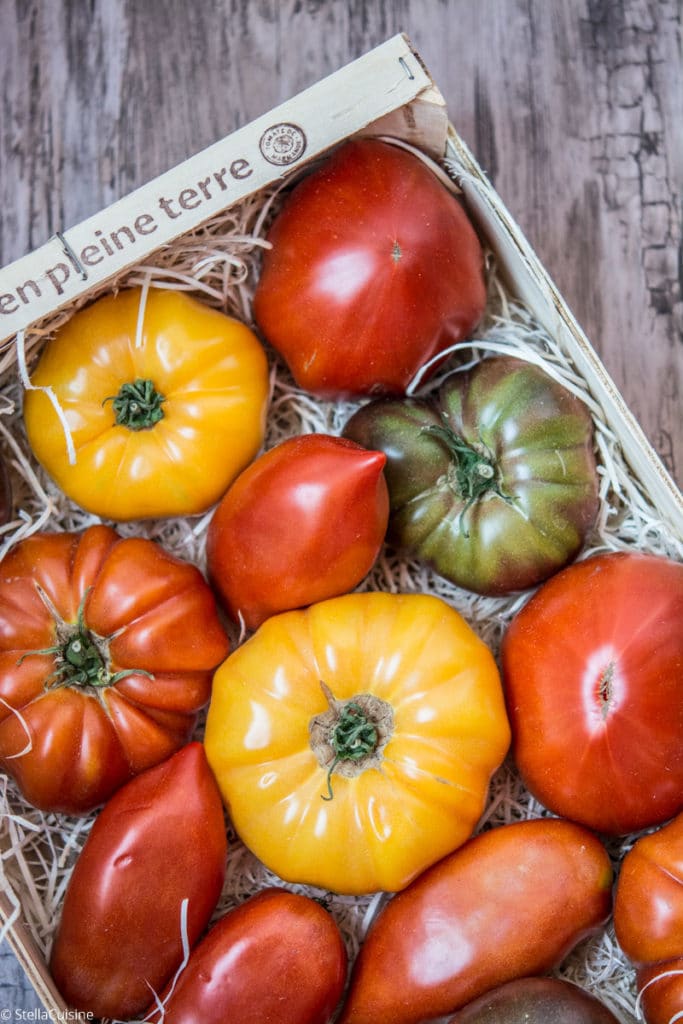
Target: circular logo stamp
pixel 282 144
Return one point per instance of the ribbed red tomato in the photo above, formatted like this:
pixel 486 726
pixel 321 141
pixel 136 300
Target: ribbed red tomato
pixel 107 648
pixel 374 268
pixel 648 918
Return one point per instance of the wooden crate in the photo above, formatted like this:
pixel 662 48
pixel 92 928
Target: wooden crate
pixel 388 92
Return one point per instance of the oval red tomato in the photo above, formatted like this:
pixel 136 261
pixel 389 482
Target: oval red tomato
pixel 158 842
pixel 592 669
pixel 648 918
pixel 511 902
pixel 279 957
pixel 374 269
pixel 303 523
pixel 107 648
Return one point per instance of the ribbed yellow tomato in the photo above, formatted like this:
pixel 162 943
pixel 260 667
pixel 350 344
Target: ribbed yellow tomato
pixel 162 423
pixel 354 741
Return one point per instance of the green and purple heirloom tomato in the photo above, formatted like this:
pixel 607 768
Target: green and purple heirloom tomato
pixel 494 484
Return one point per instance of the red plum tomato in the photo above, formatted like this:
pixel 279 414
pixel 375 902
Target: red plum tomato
pixel 158 842
pixel 512 902
pixel 278 957
pixel 374 268
pixel 592 669
pixel 303 523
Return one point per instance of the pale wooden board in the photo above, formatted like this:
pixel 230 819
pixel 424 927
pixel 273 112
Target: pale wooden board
pixel 573 107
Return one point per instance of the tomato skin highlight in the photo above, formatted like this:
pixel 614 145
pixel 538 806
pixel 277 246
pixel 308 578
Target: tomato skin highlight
pixel 70 743
pixel 429 691
pixel 494 484
pixel 592 669
pixel 347 293
pixel 210 373
pixel 648 918
pixel 302 523
pixel 535 1001
pixel 512 902
pixel 278 957
pixel 160 840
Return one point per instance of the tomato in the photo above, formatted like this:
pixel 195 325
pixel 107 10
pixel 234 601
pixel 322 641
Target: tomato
pixel 159 429
pixel 648 909
pixel 511 902
pixel 278 957
pixel 159 841
pixel 374 269
pixel 536 1001
pixel 592 668
pixel 354 741
pixel 648 917
pixel 107 647
pixel 494 485
pixel 661 990
pixel 304 522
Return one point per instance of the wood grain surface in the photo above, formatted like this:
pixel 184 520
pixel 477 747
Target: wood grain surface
pixel 574 108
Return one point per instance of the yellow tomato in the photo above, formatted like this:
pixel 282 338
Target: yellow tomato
pixel 354 741
pixel 159 428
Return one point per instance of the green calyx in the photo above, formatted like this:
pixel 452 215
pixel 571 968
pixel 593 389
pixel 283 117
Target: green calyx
pixel 81 656
pixel 474 473
pixel 349 738
pixel 354 737
pixel 137 406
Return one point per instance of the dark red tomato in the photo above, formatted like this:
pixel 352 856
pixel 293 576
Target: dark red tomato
pixel 648 918
pixel 592 669
pixel 374 269
pixel 536 1001
pixel 159 841
pixel 279 957
pixel 303 523
pixel 510 903
pixel 107 649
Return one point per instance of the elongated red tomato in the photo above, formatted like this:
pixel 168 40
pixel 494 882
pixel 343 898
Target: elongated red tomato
pixel 303 523
pixel 158 843
pixel 279 957
pixel 107 646
pixel 592 668
pixel 512 902
pixel 374 268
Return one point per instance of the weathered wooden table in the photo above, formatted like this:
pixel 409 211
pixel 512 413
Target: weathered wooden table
pixel 574 107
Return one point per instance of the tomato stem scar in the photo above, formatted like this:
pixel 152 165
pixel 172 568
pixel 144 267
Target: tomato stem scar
pixel 351 735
